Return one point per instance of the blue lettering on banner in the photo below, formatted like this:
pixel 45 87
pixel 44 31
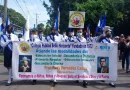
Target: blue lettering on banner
pixel 105 48
pixel 89 45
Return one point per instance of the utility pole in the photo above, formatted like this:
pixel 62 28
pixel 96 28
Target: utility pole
pixel 36 19
pixel 5 11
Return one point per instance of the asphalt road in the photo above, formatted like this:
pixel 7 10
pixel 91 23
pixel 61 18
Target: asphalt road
pixel 123 83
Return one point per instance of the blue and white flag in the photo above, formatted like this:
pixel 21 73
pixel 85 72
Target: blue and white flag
pixel 57 19
pixel 1 24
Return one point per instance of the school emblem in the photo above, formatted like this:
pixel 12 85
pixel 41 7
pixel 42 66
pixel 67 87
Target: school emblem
pixel 24 47
pixel 76 19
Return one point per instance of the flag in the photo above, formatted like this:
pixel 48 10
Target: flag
pixel 70 29
pixel 26 34
pixel 7 23
pixel 58 19
pixel 1 24
pixel 23 31
pixel 88 31
pixel 100 22
pixel 96 29
pixel 104 21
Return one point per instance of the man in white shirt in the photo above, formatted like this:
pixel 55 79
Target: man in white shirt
pixel 81 39
pixel 54 36
pixel 71 37
pixel 108 39
pixel 34 37
pixel 6 43
pixel 64 36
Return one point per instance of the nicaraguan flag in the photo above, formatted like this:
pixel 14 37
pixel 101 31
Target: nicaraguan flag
pixel 104 21
pixel 88 31
pixel 57 19
pixel 23 31
pixel 1 24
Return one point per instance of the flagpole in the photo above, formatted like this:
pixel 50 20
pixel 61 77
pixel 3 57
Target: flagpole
pixel 59 16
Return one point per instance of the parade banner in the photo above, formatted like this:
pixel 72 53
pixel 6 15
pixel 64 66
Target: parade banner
pixel 64 61
pixel 76 19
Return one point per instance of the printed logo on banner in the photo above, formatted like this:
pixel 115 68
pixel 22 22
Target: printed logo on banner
pixel 107 48
pixel 103 48
pixel 24 47
pixel 89 45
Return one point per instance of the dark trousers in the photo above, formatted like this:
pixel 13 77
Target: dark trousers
pixel 7 57
pixel 125 58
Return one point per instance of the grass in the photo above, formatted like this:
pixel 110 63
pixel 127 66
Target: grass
pixel 1 58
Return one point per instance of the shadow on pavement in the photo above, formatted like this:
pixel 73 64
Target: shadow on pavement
pixel 25 82
pixel 93 84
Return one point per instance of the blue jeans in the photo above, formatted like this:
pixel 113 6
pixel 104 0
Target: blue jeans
pixel 127 59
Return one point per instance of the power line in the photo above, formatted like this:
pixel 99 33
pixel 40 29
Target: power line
pixel 20 7
pixel 27 8
pixel 37 4
pixel 33 5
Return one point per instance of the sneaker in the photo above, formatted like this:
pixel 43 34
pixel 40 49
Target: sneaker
pixel 34 82
pixel 84 85
pixel 112 84
pixel 8 84
pixel 77 81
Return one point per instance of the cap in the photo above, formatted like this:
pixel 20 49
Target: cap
pixel 117 37
pixel 106 29
pixel 25 58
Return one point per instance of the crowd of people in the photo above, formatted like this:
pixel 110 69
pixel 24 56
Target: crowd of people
pixel 54 36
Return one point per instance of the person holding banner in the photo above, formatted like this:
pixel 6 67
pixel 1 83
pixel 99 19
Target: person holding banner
pixel 108 40
pixel 81 39
pixel 6 43
pixel 34 37
pixel 64 36
pixel 54 37
pixel 41 36
pixel 71 37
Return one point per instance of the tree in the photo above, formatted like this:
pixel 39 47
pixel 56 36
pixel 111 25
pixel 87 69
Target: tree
pixel 40 26
pixel 117 11
pixel 15 17
pixel 47 29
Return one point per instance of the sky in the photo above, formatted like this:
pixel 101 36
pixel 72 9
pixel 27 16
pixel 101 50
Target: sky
pixel 33 6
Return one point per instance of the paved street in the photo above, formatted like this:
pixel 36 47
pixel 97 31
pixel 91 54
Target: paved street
pixel 123 83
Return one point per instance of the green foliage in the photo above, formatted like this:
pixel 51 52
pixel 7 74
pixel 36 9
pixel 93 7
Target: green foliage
pixel 117 11
pixel 15 17
pixel 40 26
pixel 1 58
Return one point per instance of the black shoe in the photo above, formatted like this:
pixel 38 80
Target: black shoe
pixel 85 85
pixel 102 81
pixel 8 84
pixel 54 84
pixel 77 81
pixel 34 82
pixel 112 85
